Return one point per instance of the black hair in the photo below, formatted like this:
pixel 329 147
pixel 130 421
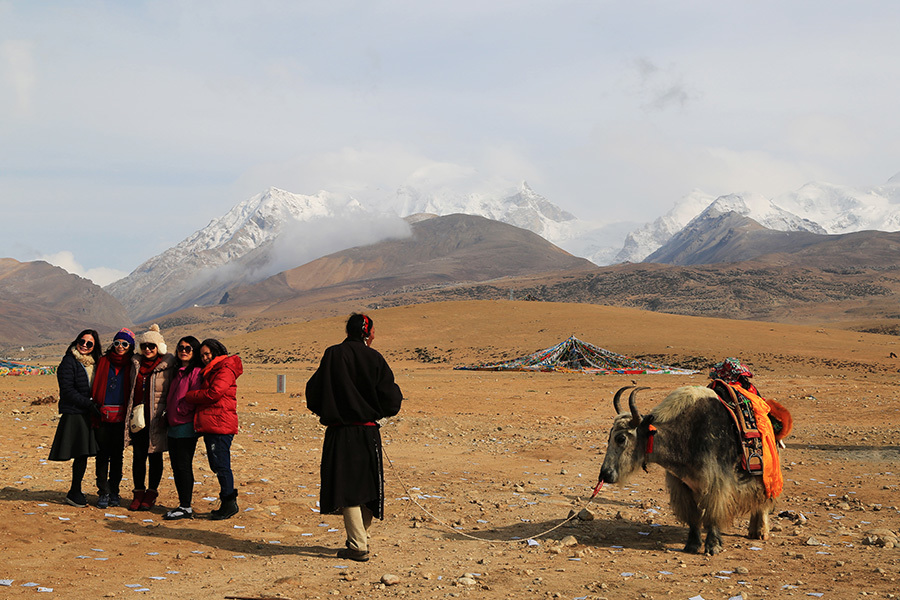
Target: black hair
pixel 216 348
pixel 359 326
pixel 194 343
pixel 95 351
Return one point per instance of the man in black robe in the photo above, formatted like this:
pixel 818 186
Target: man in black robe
pixel 353 388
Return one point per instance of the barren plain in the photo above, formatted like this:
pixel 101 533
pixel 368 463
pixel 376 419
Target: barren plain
pixel 484 469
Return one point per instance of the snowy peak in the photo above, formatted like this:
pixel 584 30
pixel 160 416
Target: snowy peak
pixel 242 240
pixel 647 239
pixel 820 208
pixel 843 209
pixel 260 218
pixel 523 208
pixel 763 211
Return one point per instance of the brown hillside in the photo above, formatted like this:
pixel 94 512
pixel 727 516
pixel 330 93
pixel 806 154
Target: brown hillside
pixel 42 303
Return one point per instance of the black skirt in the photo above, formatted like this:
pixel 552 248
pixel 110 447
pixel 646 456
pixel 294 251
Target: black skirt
pixel 74 437
pixel 352 472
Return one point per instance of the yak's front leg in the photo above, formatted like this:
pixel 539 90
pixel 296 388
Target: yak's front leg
pixel 684 505
pixel 713 540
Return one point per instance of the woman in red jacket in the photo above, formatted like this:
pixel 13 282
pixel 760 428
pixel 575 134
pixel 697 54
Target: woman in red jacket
pixel 216 418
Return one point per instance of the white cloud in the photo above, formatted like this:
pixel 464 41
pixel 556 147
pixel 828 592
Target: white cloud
pixel 66 260
pixel 17 69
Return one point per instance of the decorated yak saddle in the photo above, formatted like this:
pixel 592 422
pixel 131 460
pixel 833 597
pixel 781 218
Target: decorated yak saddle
pixel 760 424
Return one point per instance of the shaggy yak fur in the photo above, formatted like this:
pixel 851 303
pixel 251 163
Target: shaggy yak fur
pixel 695 442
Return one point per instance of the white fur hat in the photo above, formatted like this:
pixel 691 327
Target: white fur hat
pixel 153 337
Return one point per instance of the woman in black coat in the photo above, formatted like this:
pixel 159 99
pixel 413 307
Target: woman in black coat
pixel 74 439
pixel 352 388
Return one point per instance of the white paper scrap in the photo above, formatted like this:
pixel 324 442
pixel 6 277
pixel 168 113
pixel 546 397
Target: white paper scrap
pixel 6 582
pixel 533 543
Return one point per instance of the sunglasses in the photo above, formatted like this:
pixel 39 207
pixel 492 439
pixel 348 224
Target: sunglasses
pixel 148 346
pixel 86 343
pixel 186 349
pixel 122 343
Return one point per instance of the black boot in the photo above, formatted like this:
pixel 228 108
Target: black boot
pixel 228 508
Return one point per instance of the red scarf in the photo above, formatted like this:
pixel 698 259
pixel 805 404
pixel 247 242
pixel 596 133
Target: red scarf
pixel 147 367
pixel 110 360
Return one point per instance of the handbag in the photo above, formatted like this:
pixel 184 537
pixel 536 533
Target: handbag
pixel 137 419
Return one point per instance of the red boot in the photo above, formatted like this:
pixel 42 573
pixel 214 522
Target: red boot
pixel 138 498
pixel 149 500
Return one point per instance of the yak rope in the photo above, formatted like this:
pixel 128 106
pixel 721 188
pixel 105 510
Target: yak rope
pixel 463 533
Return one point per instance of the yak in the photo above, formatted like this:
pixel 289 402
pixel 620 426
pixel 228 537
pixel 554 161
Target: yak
pixel 693 437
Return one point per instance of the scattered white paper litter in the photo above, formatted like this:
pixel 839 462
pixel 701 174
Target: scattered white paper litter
pixel 6 582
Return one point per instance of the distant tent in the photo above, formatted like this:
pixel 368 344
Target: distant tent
pixel 8 367
pixel 573 355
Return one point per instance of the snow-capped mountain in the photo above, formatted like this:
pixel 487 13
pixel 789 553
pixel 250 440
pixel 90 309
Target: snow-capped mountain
pixel 645 240
pixel 842 209
pixel 524 208
pixel 820 208
pixel 183 274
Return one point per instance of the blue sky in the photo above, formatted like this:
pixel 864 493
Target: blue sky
pixel 126 126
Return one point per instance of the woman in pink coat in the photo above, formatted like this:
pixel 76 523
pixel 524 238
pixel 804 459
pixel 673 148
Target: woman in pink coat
pixel 180 417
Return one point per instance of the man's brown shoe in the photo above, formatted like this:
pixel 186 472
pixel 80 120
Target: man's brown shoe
pixel 350 553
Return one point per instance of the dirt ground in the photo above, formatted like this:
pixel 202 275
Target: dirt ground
pixel 482 466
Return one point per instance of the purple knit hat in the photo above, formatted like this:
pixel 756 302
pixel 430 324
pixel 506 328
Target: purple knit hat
pixel 125 334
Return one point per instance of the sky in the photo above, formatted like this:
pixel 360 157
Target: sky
pixel 127 126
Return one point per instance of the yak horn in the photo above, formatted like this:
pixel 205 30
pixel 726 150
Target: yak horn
pixel 619 395
pixel 635 415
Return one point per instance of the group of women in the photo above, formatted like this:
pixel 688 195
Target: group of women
pixel 136 393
